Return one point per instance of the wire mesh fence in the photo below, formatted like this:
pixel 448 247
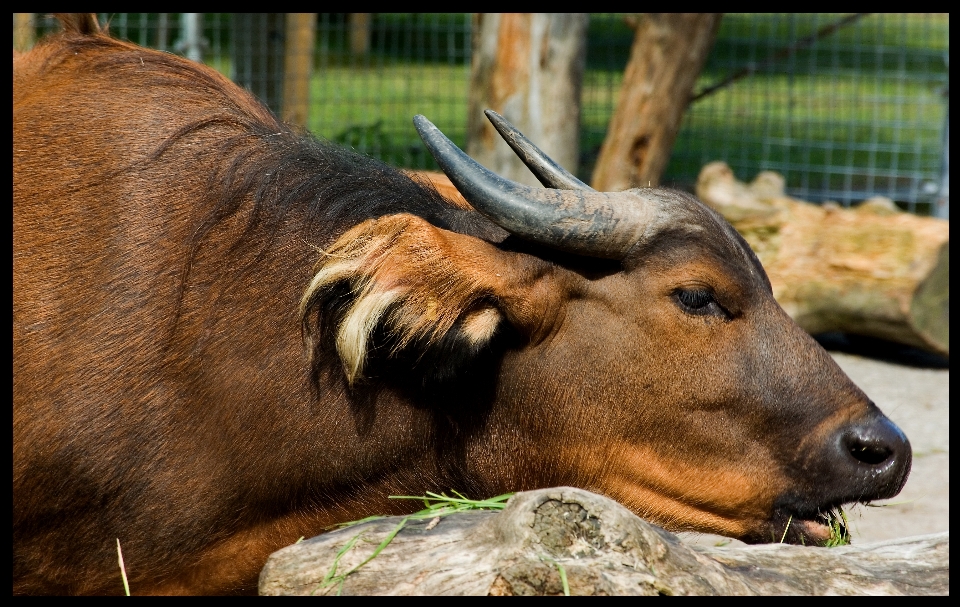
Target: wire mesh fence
pixel 846 107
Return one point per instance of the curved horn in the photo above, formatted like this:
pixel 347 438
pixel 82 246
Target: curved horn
pixel 591 223
pixel 550 174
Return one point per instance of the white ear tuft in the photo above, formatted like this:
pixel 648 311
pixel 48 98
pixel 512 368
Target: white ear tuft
pixel 480 325
pixel 357 326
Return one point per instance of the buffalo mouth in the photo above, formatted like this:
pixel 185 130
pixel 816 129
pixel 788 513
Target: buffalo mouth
pixel 823 527
pixel 863 460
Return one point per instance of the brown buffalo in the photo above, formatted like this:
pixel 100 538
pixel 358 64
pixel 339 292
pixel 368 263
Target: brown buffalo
pixel 228 335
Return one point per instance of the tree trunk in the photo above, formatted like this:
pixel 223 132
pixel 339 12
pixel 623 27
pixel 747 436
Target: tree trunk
pixel 23 32
pixel 360 26
pixel 871 270
pixel 298 67
pixel 668 52
pixel 550 538
pixel 529 68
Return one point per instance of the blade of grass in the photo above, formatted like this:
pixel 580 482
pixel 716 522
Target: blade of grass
pixel 332 578
pixel 900 503
pixel 789 520
pixel 562 571
pixel 380 547
pixel 434 502
pixel 563 579
pixel 336 563
pixel 123 570
pixel 375 517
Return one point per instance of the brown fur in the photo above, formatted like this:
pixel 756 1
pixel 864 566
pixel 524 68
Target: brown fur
pixel 227 335
pixel 443 185
pixel 82 24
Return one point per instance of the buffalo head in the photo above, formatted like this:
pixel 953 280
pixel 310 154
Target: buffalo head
pixel 650 362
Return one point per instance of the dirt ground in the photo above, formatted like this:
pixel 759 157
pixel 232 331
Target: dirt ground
pixel 917 400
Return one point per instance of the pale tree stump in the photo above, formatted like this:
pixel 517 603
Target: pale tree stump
pixel 871 270
pixel 601 548
pixel 528 67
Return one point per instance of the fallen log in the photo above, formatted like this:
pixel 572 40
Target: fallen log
pixel 559 540
pixel 871 270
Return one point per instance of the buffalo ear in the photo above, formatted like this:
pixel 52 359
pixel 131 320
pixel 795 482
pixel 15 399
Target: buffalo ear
pixel 398 285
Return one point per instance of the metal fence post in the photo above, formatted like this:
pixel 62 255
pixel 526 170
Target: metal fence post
pixel 191 44
pixel 942 208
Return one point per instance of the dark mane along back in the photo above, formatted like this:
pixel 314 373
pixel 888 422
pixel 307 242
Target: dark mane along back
pixel 333 186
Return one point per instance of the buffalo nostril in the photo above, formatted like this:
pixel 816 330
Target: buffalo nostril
pixel 869 453
pixel 875 441
pixel 867 459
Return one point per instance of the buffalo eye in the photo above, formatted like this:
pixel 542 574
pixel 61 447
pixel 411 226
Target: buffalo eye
pixel 698 302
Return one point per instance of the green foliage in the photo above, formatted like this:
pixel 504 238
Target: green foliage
pixel 859 110
pixel 839 528
pixel 437 505
pixel 433 38
pixel 442 505
pixel 866 45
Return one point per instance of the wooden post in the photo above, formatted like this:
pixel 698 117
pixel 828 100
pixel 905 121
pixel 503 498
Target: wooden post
pixel 298 67
pixel 529 68
pixel 669 50
pixel 24 32
pixel 360 25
